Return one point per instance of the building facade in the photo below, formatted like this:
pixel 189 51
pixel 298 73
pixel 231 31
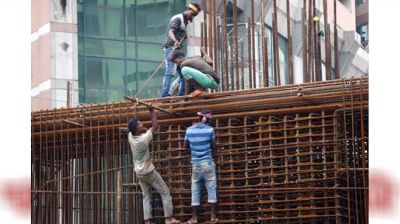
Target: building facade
pixel 106 49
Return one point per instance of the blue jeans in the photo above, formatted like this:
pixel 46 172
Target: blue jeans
pixel 204 172
pixel 169 72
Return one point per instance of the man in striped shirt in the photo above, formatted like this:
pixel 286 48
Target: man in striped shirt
pixel 175 34
pixel 200 137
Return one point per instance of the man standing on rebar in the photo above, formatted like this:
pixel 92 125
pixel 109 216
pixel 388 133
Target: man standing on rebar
pixel 145 171
pixel 200 137
pixel 197 72
pixel 175 34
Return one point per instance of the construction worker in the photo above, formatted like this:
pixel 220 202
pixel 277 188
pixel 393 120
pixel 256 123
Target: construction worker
pixel 175 34
pixel 200 138
pixel 196 71
pixel 145 171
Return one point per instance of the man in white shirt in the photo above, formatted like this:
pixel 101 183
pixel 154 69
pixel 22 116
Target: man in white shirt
pixel 145 171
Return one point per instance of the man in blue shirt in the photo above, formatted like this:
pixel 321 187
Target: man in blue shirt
pixel 200 137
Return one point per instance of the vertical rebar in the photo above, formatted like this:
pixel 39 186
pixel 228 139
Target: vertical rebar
pixel 215 58
pixel 249 53
pixel 290 51
pixel 210 29
pixel 236 45
pixel 337 74
pixel 118 200
pixel 225 48
pixel 310 41
pixel 253 51
pixel 316 44
pixel 304 42
pixel 276 45
pixel 263 43
pixel 242 65
pixel 328 56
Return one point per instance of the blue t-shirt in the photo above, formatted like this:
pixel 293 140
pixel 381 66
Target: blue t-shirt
pixel 200 137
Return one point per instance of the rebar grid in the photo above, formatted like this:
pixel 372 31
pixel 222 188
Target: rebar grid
pixel 288 154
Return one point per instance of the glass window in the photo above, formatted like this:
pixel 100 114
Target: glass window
pixel 107 48
pixel 359 2
pixel 105 2
pixel 153 87
pixel 131 49
pixel 80 18
pixel 130 21
pixel 363 31
pixel 130 78
pixel 111 61
pixel 150 52
pixel 107 22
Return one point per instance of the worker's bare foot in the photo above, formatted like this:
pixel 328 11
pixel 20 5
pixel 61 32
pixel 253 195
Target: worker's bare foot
pixel 193 220
pixel 195 93
pixel 171 221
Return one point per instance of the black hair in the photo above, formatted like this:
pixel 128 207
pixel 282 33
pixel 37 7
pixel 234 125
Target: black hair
pixel 176 54
pixel 208 120
pixel 132 126
pixel 205 111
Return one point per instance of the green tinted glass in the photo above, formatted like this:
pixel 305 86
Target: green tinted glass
pixel 105 2
pixel 107 48
pixel 153 87
pixel 119 44
pixel 150 52
pixel 106 22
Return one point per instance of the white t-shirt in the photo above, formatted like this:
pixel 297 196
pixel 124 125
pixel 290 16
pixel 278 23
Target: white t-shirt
pixel 140 152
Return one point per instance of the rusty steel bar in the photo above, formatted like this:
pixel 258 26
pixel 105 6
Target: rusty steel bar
pixel 204 8
pixel 241 65
pixel 215 58
pixel 225 48
pixel 317 42
pixel 285 154
pixel 290 51
pixel 310 43
pixel 336 53
pixel 249 53
pixel 328 54
pixel 263 43
pixel 210 29
pixel 276 44
pixel 236 44
pixel 253 51
pixel 304 42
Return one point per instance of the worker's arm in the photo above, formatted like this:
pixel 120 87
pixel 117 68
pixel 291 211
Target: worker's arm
pixel 154 121
pixel 185 144
pixel 213 143
pixel 206 56
pixel 172 36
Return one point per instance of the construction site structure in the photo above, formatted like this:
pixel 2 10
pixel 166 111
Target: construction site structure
pixel 285 154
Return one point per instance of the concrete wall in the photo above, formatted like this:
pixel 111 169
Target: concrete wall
pixel 54 53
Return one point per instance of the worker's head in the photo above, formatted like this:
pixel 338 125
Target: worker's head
pixel 177 57
pixel 204 116
pixel 192 10
pixel 134 126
